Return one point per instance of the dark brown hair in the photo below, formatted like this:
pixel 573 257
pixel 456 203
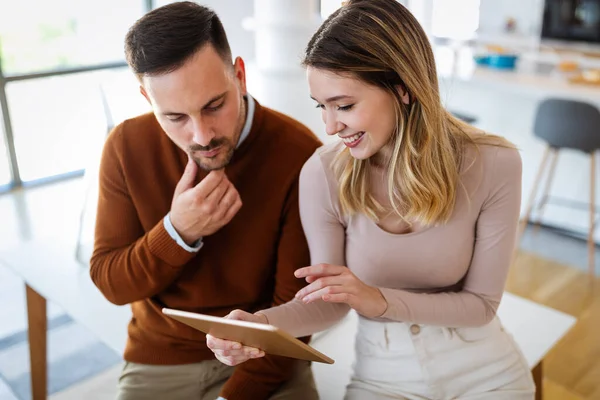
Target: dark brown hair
pixel 165 38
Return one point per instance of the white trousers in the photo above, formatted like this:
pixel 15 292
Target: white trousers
pixel 407 361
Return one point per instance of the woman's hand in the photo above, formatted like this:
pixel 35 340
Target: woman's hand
pixel 234 353
pixel 338 284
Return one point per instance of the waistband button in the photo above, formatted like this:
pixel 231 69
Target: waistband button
pixel 415 329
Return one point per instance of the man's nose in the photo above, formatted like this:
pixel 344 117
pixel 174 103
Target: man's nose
pixel 202 133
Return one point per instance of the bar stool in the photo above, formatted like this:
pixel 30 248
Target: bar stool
pixel 469 119
pixel 566 124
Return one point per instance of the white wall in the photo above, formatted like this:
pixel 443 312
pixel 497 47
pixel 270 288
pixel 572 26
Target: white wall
pixel 527 13
pixel 231 13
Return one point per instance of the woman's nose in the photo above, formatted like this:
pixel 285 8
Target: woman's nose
pixel 333 126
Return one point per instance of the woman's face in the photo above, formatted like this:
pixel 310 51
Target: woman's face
pixel 362 115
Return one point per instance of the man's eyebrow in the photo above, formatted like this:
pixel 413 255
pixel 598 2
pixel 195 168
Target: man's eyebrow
pixel 171 114
pixel 334 98
pixel 217 97
pixel 176 114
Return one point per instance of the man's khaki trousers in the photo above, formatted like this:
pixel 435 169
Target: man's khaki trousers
pixel 200 381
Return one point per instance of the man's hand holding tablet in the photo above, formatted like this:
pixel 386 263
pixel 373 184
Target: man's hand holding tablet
pixel 234 353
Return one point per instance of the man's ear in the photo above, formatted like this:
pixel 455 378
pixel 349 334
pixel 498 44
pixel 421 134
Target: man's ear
pixel 239 69
pixel 145 94
pixel 403 94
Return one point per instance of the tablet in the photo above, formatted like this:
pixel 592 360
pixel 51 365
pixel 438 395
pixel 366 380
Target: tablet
pixel 268 338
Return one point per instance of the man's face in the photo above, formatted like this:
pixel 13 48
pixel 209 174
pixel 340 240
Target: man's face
pixel 200 106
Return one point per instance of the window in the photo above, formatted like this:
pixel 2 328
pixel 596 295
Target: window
pixel 58 119
pixel 58 122
pixel 4 167
pixel 43 35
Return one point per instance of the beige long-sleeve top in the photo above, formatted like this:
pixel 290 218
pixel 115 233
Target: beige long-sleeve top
pixel 447 275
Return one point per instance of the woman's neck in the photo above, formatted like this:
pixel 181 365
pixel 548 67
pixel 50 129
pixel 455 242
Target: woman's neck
pixel 382 158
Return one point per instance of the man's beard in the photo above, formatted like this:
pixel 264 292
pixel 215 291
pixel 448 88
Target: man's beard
pixel 227 146
pixel 220 161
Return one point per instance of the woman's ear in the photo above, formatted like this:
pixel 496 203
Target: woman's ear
pixel 403 94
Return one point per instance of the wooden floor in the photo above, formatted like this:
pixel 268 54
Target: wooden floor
pixel 572 368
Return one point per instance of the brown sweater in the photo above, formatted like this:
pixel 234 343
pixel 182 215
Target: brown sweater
pixel 248 264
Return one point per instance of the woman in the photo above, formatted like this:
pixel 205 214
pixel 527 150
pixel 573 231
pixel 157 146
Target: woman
pixel 410 218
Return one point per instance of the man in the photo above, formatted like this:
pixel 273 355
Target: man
pixel 198 211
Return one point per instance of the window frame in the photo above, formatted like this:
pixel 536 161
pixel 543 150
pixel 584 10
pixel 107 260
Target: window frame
pixel 7 129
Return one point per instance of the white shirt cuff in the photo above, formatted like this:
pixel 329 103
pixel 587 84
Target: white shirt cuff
pixel 175 236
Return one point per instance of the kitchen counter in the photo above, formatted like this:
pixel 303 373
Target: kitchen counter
pixel 505 102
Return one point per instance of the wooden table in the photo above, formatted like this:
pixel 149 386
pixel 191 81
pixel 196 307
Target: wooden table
pixel 50 272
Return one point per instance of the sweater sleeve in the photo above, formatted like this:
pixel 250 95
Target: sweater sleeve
pixel 496 228
pixel 326 237
pixel 128 264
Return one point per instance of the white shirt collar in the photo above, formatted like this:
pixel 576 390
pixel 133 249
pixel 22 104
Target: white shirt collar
pixel 249 118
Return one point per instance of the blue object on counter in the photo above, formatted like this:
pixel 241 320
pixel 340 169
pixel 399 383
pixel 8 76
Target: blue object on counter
pixel 502 61
pixel 482 60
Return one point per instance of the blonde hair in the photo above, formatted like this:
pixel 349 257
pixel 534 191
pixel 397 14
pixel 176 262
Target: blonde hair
pixel 381 43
